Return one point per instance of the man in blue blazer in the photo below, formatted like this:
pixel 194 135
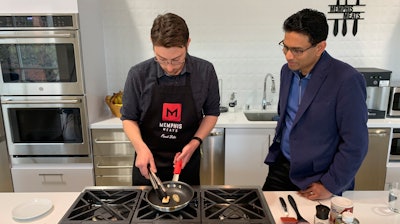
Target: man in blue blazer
pixel 322 135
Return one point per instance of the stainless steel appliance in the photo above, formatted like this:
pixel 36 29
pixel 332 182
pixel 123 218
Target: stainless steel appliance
pixel 44 103
pixel 40 55
pixel 394 102
pixel 395 146
pixel 210 204
pixel 372 173
pixel 212 167
pixel 46 128
pixel 378 90
pixel 113 156
pixel 5 172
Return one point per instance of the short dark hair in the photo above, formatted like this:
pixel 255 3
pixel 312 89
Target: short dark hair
pixel 309 22
pixel 169 30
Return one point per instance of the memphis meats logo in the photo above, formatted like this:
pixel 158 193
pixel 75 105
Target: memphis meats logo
pixel 346 16
pixel 171 116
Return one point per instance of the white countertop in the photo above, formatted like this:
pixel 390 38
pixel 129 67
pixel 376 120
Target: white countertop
pixel 369 206
pixel 238 120
pixel 62 201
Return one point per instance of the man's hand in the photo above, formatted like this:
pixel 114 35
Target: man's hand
pixel 187 152
pixel 316 191
pixel 144 157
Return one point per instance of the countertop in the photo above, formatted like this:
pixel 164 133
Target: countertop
pixel 238 120
pixel 369 206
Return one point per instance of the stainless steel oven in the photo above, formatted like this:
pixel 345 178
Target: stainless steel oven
pixel 40 55
pixel 394 102
pixel 44 129
pixel 395 147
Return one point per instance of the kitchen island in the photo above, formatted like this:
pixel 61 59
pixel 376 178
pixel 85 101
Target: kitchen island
pixel 369 206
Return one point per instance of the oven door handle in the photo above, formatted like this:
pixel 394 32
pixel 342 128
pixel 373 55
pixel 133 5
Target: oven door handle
pixel 110 142
pixel 53 35
pixel 10 101
pixel 98 165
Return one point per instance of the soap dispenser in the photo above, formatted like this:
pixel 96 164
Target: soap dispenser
pixel 232 102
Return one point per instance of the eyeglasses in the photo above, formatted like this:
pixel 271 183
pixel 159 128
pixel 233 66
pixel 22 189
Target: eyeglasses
pixel 171 62
pixel 295 51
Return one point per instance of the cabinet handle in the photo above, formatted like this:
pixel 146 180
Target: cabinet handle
pixel 98 165
pixel 216 133
pixel 378 132
pixel 47 175
pixel 97 141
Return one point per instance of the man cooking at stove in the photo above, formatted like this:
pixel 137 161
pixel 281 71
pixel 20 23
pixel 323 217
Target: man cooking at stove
pixel 170 104
pixel 322 136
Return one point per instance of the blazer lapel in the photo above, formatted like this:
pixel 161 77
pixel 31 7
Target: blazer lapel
pixel 319 74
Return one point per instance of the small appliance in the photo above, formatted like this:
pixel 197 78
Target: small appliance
pixel 378 90
pixel 394 102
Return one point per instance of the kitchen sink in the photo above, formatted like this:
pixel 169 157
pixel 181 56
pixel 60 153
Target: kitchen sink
pixel 261 115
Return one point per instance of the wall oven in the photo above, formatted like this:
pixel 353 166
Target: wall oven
pixel 394 102
pixel 46 128
pixel 40 55
pixel 395 147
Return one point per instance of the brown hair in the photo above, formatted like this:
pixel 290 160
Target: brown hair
pixel 169 30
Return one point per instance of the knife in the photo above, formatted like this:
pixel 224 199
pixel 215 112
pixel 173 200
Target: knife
pixel 283 203
pixel 177 170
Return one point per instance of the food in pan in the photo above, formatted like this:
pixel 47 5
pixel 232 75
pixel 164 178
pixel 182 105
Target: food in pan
pixel 176 198
pixel 165 200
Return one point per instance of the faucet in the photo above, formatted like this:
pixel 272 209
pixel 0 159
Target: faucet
pixel 264 102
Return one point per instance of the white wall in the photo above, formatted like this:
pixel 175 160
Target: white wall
pixel 38 6
pixel 240 37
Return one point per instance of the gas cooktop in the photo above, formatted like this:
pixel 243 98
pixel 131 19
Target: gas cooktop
pixel 210 204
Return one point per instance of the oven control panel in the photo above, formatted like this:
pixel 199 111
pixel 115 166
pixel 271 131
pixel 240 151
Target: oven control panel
pixel 375 76
pixel 14 22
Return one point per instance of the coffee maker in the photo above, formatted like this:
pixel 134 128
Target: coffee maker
pixel 378 90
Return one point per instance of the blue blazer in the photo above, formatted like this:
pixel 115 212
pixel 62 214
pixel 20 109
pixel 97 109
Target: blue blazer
pixel 329 138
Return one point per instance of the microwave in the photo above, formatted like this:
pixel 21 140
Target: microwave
pixel 394 102
pixel 395 146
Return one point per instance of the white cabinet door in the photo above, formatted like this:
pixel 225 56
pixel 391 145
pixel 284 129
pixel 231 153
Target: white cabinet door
pixel 52 177
pixel 245 151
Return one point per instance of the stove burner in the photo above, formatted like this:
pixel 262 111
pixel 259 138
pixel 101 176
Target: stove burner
pixel 97 205
pixel 230 204
pixel 128 205
pixel 145 212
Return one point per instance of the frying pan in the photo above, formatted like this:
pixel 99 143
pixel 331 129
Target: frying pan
pixel 184 191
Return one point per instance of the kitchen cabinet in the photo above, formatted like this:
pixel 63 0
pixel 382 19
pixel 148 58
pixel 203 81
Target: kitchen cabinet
pixel 113 157
pixel 52 177
pixel 392 173
pixel 245 151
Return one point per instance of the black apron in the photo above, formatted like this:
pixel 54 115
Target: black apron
pixel 168 125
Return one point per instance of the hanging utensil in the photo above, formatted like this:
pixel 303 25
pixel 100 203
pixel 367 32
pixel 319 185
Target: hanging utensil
pixel 336 22
pixel 355 23
pixel 300 219
pixel 344 28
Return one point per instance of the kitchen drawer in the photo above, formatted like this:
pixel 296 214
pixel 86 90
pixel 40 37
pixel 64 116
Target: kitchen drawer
pixel 114 180
pixel 52 177
pixel 113 165
pixel 111 142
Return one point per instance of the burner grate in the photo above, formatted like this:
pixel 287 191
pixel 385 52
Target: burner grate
pixel 145 213
pixel 116 206
pixel 210 204
pixel 234 205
